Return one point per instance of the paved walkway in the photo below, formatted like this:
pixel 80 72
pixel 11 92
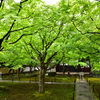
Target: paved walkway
pixel 83 91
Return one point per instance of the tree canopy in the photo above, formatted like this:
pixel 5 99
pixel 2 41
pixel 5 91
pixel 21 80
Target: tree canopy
pixel 32 32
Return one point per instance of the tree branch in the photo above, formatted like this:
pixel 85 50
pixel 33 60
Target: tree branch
pixel 87 31
pixel 8 33
pixel 98 28
pixel 1 3
pixel 94 41
pixel 39 53
pixel 93 20
pixel 93 32
pixel 49 59
pixel 42 39
pixel 25 35
pixel 30 53
pixel 86 51
pixel 20 38
pixel 22 28
pixel 56 64
pixel 50 43
pixel 77 28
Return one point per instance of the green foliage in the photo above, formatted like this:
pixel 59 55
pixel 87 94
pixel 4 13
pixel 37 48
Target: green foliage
pixel 37 94
pixel 68 77
pixel 35 34
pixel 68 29
pixel 3 89
pixel 82 63
pixel 57 75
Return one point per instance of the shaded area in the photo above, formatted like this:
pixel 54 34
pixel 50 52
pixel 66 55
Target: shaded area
pixel 26 91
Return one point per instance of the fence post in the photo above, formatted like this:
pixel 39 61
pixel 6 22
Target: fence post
pixel 12 79
pixel 24 74
pixel 75 81
pixel 89 82
pixel 2 76
pixel 74 87
pixel 73 95
pixel 19 78
pixel 35 79
pixel 30 81
pixel 93 88
pixel 87 79
pixel 55 79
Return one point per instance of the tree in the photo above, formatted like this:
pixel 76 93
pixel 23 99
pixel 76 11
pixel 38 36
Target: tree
pixel 89 27
pixel 54 34
pixel 47 30
pixel 15 21
pixel 43 49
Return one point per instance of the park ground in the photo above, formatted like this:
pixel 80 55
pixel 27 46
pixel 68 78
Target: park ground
pixel 29 90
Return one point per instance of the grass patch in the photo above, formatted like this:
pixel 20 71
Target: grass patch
pixel 37 94
pixel 29 91
pixel 64 79
pixel 96 83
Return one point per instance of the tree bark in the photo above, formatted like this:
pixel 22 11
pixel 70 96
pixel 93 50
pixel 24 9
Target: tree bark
pixel 41 80
pixel 63 69
pixel 18 73
pixel 68 70
pixel 30 69
pixel 13 71
pixel 10 71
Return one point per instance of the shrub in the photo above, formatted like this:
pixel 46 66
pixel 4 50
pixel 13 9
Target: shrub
pixel 35 75
pixel 52 74
pixel 57 75
pixel 3 89
pixel 27 75
pixel 46 75
pixel 68 77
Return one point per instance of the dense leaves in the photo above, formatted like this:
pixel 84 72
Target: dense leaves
pixel 35 34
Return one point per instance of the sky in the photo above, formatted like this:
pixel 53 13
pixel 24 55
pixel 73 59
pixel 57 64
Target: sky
pixel 17 1
pixel 51 2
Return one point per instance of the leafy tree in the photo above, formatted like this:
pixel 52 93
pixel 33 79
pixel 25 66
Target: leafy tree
pixel 47 35
pixel 15 18
pixel 85 18
pixel 46 30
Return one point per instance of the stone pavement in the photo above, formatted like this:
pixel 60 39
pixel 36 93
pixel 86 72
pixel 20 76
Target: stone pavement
pixel 83 91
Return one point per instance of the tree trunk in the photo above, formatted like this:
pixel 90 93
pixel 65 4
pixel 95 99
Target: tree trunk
pixel 22 70
pixel 63 69
pixel 30 69
pixel 13 71
pixel 18 73
pixel 10 71
pixel 41 80
pixel 68 70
